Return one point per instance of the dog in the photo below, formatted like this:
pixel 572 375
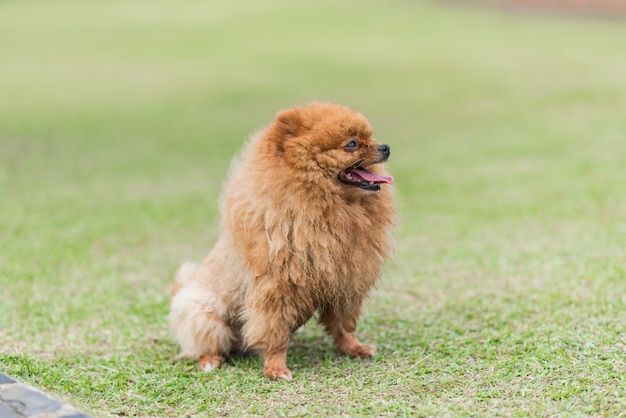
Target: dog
pixel 306 226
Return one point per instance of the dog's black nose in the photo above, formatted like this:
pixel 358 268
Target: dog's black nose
pixel 384 149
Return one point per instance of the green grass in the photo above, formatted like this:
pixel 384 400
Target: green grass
pixel 507 293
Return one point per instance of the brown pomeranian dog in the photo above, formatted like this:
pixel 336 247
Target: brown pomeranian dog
pixel 305 228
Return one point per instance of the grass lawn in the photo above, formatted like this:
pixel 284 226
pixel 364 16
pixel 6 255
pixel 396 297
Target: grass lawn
pixel 507 294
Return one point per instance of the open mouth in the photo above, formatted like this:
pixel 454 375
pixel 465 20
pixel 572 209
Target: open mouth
pixel 361 178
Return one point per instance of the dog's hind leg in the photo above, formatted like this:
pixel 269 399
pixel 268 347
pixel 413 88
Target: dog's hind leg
pixel 203 334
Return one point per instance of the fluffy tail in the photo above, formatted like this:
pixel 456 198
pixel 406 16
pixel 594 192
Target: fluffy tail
pixel 184 274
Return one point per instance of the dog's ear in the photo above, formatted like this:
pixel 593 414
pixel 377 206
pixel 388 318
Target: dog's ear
pixel 288 122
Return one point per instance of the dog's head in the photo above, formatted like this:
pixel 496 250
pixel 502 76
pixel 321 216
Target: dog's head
pixel 331 142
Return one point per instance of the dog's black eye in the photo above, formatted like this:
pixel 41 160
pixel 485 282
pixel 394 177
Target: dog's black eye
pixel 352 145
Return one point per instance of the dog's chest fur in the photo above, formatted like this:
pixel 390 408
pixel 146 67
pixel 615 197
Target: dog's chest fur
pixel 332 250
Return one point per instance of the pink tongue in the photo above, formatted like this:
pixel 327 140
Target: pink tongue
pixel 369 176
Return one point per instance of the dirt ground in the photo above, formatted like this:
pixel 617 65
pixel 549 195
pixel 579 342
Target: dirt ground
pixel 591 8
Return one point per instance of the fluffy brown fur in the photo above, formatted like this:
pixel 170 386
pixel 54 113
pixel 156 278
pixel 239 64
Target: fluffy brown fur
pixel 306 226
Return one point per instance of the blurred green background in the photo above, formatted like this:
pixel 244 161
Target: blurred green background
pixel 117 123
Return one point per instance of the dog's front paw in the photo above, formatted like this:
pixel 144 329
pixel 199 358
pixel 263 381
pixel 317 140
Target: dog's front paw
pixel 277 373
pixel 360 350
